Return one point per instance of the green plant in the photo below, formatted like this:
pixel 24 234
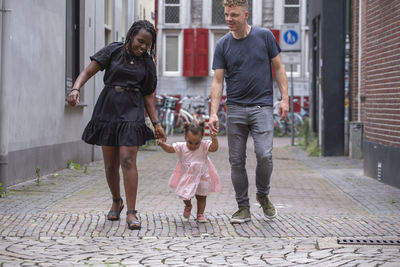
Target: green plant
pixel 313 147
pixel 305 133
pixel 3 191
pixel 85 170
pixel 148 145
pixel 38 176
pixel 73 166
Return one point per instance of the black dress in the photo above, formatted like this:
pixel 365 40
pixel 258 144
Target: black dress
pixel 118 116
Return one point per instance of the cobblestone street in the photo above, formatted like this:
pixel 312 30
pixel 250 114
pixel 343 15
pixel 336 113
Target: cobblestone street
pixel 62 220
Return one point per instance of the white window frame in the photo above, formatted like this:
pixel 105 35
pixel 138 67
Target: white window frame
pixel 108 22
pixel 299 5
pixel 180 53
pixel 180 12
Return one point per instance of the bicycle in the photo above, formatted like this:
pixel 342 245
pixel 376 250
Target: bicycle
pixel 221 114
pixel 183 114
pixel 284 127
pixel 168 118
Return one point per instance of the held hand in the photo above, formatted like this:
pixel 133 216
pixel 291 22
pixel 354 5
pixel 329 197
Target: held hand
pixel 73 98
pixel 214 123
pixel 283 109
pixel 159 133
pixel 160 142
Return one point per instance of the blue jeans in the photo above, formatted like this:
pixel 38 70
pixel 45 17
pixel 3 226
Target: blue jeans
pixel 259 122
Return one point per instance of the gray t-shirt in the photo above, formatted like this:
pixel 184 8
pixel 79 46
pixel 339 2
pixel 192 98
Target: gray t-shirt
pixel 247 65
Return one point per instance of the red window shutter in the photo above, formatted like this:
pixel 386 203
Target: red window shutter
pixel 201 66
pixel 296 104
pixel 276 34
pixel 188 52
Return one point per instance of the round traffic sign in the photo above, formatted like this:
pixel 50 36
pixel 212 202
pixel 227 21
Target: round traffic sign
pixel 290 37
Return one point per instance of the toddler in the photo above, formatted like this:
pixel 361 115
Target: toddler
pixel 194 174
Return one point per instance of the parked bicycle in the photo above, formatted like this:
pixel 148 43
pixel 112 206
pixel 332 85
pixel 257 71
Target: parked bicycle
pixel 284 127
pixel 221 113
pixel 183 114
pixel 167 113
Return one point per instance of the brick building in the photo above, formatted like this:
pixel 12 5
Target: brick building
pixel 375 83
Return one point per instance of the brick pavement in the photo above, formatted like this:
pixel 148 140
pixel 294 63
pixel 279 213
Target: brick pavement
pixel 62 220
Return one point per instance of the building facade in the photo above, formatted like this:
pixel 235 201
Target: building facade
pixel 356 82
pixel 189 30
pixel 44 45
pixel 375 83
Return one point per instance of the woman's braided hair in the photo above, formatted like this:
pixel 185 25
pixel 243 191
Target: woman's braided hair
pixel 135 28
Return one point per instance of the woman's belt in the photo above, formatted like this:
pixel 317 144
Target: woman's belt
pixel 123 88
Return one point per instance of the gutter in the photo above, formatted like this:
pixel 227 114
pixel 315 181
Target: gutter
pixel 3 103
pixel 359 61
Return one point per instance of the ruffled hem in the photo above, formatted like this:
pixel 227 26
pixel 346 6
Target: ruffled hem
pixel 123 133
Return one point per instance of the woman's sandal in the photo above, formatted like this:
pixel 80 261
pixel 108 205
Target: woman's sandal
pixel 114 215
pixel 133 224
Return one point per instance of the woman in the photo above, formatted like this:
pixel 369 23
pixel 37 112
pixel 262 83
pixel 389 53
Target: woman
pixel 118 122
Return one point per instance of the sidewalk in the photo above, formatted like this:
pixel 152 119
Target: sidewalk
pixel 62 220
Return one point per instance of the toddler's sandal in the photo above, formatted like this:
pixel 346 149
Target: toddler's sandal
pixel 186 211
pixel 201 218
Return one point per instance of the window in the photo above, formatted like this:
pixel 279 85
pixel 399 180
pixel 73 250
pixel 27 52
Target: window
pixel 172 54
pixel 108 19
pixel 291 11
pixel 72 45
pixel 172 11
pixel 218 16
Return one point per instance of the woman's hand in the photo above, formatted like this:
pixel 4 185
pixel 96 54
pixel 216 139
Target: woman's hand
pixel 73 98
pixel 159 132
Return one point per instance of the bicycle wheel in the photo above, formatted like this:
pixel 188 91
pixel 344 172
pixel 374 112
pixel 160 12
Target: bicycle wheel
pixel 180 122
pixel 297 122
pixel 222 122
pixel 280 127
pixel 169 125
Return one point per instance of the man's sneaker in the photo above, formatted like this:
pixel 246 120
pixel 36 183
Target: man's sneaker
pixel 270 211
pixel 241 216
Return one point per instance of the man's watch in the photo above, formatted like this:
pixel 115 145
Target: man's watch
pixel 156 122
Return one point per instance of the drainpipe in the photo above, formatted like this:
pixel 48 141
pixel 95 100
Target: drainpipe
pixel 3 104
pixel 359 60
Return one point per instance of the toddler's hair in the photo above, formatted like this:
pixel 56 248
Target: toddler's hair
pixel 194 127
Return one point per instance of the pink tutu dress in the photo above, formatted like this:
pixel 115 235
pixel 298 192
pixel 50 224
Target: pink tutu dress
pixel 194 173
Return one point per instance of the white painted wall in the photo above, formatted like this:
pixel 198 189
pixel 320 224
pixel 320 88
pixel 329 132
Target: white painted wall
pixel 33 82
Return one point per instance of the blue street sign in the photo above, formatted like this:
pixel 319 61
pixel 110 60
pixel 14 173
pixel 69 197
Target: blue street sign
pixel 291 37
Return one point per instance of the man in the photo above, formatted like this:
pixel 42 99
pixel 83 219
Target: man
pixel 243 57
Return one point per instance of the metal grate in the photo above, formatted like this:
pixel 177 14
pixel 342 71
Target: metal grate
pixel 172 10
pixel 368 241
pixel 291 14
